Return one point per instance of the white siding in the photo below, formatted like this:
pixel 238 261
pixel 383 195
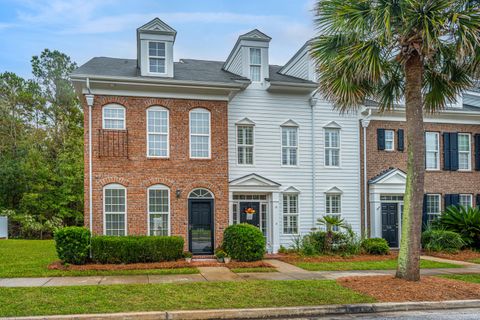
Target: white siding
pixel 300 69
pixel 237 64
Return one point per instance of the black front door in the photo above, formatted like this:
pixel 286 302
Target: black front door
pixel 390 223
pixel 253 219
pixel 200 226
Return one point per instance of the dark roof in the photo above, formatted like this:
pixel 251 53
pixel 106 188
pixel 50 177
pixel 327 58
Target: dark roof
pixel 186 69
pixel 383 174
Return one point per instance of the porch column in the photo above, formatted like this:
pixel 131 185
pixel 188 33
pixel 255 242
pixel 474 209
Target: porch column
pixel 276 222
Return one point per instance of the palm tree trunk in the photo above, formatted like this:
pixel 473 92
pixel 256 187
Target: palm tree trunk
pixel 410 246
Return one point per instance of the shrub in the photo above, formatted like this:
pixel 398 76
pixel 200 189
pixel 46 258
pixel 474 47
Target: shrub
pixel 244 242
pixel 464 221
pixel 73 244
pixel 375 246
pixel 442 240
pixel 136 249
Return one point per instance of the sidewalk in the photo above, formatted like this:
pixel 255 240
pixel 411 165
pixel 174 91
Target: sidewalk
pixel 285 270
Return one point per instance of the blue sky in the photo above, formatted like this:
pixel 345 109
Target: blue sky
pixel 207 29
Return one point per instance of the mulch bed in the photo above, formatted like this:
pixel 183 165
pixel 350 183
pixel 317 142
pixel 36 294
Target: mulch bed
pixel 390 289
pixel 57 265
pixel 292 258
pixel 464 255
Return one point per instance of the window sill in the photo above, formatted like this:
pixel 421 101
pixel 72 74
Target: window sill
pixel 157 158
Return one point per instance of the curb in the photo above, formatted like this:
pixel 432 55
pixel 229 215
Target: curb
pixel 270 313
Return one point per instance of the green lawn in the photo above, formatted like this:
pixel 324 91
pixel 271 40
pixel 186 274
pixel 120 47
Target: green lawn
pixel 475 278
pixel 261 269
pixel 186 296
pixel 475 260
pixel 367 265
pixel 30 258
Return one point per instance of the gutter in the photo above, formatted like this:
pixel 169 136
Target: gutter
pixel 313 103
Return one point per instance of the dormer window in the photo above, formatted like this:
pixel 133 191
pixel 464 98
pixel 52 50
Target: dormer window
pixel 156 57
pixel 255 64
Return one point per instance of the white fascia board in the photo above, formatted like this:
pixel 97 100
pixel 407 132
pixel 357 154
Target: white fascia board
pixel 442 116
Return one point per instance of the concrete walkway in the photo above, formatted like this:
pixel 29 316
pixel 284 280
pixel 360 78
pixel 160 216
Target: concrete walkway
pixel 285 270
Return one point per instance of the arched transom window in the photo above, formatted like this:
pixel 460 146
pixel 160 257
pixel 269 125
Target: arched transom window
pixel 201 193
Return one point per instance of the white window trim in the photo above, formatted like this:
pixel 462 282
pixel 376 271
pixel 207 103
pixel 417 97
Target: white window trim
pixel 393 139
pixel 114 106
pixel 325 148
pixel 114 186
pixel 291 214
pixel 196 134
pixel 437 167
pixel 157 57
pixel 250 64
pixel 470 197
pixel 245 145
pixel 340 205
pixel 297 146
pixel 439 196
pixel 469 151
pixel 158 187
pixel 158 108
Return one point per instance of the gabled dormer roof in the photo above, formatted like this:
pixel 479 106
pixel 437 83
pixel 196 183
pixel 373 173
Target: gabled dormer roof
pixel 157 26
pixel 255 35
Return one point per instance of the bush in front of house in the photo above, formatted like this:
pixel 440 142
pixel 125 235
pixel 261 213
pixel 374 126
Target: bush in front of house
pixel 441 240
pixel 244 242
pixel 136 249
pixel 73 244
pixel 377 246
pixel 463 220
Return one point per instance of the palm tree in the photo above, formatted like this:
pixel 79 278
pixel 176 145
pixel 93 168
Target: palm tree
pixel 331 222
pixel 424 52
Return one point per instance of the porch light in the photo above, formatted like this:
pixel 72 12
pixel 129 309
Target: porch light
pixel 89 98
pixel 178 193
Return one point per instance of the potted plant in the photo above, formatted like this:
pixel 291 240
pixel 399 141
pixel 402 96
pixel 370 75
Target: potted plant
pixel 220 255
pixel 188 256
pixel 227 258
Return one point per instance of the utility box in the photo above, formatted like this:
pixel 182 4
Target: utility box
pixel 3 227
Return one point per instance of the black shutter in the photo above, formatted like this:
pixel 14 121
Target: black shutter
pixel 453 151
pixel 400 140
pixel 477 201
pixel 477 152
pixel 381 139
pixel 455 199
pixel 448 200
pixel 424 214
pixel 446 151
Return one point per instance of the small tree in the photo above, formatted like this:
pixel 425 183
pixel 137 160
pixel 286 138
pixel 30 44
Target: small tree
pixel 331 222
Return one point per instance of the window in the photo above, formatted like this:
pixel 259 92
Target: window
pixel 465 200
pixel 200 193
pixel 389 140
pixel 290 214
pixel 156 57
pixel 157 132
pixel 432 205
pixel 464 156
pixel 289 146
pixel 333 206
pixel 115 209
pixel 255 64
pixel 159 210
pixel 245 144
pixel 432 150
pixel 332 147
pixel 114 117
pixel 200 133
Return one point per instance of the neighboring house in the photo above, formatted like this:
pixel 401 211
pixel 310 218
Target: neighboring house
pixel 452 161
pixel 184 148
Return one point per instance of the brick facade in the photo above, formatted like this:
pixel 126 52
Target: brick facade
pixel 180 173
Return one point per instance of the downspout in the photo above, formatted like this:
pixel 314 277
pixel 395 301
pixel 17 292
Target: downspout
pixel 313 103
pixel 365 122
pixel 90 98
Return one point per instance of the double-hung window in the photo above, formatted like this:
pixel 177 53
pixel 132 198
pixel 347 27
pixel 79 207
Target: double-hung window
pixel 157 132
pixel 464 152
pixel 332 147
pixel 115 209
pixel 432 206
pixel 389 140
pixel 245 144
pixel 465 200
pixel 200 134
pixel 159 210
pixel 113 117
pixel 290 213
pixel 289 146
pixel 432 151
pixel 156 57
pixel 333 206
pixel 255 64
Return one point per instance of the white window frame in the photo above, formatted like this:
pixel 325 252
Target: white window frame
pixel 470 197
pixel 117 107
pixel 328 210
pixel 327 149
pixel 437 151
pixel 200 134
pixel 168 213
pixel 289 213
pixel 167 134
pixel 157 57
pixel 285 147
pixel 439 197
pixel 244 145
pixel 393 140
pixel 468 153
pixel 115 186
pixel 251 64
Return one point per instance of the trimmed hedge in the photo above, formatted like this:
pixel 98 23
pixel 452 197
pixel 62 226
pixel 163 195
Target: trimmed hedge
pixel 375 246
pixel 73 244
pixel 244 242
pixel 438 240
pixel 136 249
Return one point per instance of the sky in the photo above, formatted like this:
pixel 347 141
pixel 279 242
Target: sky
pixel 206 29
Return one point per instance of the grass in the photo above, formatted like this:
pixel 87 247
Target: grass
pixel 367 265
pixel 187 296
pixel 477 260
pixel 475 278
pixel 30 258
pixel 259 269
